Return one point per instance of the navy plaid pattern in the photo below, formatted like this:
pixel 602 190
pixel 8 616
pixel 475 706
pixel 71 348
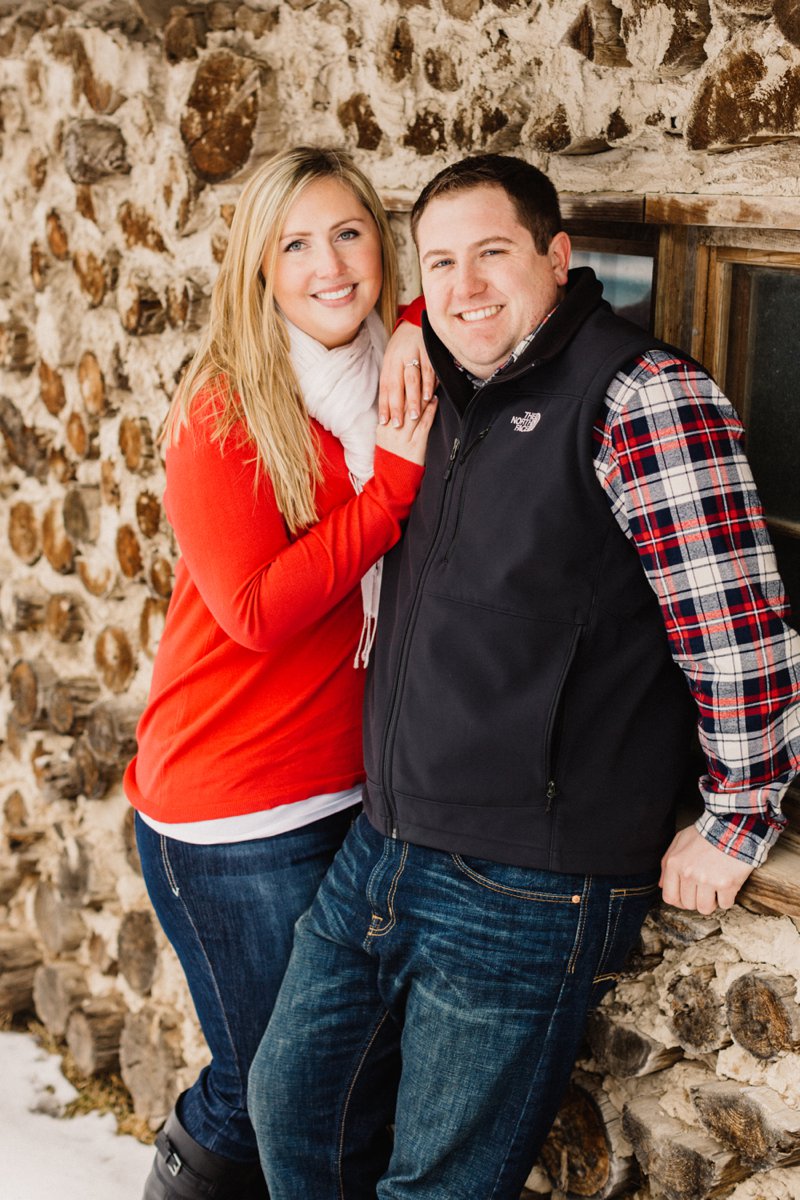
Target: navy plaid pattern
pixel 668 453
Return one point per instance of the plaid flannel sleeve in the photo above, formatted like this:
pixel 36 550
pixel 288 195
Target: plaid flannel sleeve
pixel 668 452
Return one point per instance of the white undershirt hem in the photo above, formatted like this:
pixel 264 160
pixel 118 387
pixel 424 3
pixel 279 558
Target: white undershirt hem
pixel 249 826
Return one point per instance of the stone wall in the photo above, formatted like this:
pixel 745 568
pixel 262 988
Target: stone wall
pixel 125 130
pixel 688 1084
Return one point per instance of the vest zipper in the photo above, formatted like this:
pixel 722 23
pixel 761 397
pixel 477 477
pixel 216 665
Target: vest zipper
pixel 451 462
pixel 472 446
pixel 399 679
pixel 403 656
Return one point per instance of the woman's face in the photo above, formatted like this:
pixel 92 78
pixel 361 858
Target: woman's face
pixel 328 271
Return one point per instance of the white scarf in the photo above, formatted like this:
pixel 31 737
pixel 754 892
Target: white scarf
pixel 340 389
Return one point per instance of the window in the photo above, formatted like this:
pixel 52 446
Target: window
pixel 608 235
pixel 751 346
pixel 626 276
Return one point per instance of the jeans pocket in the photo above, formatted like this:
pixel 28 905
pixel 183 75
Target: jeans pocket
pixel 524 883
pixel 627 909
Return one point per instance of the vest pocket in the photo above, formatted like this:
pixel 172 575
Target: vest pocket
pixel 555 724
pixel 475 731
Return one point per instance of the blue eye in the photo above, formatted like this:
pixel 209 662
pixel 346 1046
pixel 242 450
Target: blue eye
pixel 293 246
pixel 348 234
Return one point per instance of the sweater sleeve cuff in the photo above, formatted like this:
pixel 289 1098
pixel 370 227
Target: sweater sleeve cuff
pixel 412 312
pixel 396 481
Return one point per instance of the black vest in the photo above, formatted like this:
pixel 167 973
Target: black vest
pixel 523 705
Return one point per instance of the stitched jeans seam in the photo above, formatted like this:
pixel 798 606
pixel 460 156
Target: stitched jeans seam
pixel 375 931
pixel 612 922
pixel 373 876
pixel 199 942
pixel 554 1015
pixel 167 865
pixel 582 917
pixel 348 1097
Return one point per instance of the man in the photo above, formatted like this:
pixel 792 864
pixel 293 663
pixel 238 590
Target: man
pixel 586 542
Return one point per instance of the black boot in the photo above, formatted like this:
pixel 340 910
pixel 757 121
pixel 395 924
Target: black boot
pixel 185 1170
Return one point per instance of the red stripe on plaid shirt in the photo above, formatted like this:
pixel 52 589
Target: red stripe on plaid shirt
pixel 668 452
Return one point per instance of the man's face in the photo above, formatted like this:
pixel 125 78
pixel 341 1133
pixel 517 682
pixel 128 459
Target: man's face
pixel 486 286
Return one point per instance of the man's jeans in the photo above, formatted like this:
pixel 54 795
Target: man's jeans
pixel 229 911
pixel 475 977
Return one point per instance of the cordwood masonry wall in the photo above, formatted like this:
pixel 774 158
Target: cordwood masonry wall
pixel 125 131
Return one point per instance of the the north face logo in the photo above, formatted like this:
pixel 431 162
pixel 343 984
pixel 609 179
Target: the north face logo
pixel 527 423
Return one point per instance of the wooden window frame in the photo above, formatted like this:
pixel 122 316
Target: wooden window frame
pixel 712 296
pixel 713 308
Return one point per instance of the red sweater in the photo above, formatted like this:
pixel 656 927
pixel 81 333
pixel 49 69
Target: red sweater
pixel 255 701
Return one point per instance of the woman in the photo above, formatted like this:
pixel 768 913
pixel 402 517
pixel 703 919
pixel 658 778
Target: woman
pixel 249 751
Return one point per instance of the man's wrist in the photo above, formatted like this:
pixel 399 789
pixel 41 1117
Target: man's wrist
pixel 732 834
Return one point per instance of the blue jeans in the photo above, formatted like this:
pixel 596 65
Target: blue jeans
pixel 447 994
pixel 229 911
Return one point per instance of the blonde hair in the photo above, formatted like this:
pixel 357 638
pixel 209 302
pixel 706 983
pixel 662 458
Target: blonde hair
pixel 243 359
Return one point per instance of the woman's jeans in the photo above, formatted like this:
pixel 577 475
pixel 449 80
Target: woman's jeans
pixel 229 911
pixel 446 994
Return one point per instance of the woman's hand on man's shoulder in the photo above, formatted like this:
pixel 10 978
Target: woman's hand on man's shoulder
pixel 407 377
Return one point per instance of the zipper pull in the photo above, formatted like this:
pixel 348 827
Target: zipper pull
pixel 476 442
pixel 453 456
pixel 551 794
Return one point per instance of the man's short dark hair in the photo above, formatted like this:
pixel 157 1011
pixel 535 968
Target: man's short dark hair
pixel 529 190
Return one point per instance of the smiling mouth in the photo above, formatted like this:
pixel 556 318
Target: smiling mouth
pixel 339 294
pixel 480 314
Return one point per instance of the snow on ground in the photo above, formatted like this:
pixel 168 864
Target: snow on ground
pixel 42 1156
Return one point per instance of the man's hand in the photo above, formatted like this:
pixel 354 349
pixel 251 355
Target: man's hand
pixel 407 378
pixel 694 874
